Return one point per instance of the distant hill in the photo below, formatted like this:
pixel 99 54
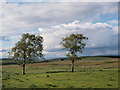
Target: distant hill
pixel 8 61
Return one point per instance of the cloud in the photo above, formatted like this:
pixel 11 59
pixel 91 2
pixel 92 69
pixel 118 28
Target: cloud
pixel 4 38
pixel 19 18
pixel 101 51
pixel 113 22
pixel 57 20
pixel 4 52
pixel 100 35
pixel 3 55
pixel 60 1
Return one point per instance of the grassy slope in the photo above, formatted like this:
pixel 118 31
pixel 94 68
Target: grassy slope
pixel 89 73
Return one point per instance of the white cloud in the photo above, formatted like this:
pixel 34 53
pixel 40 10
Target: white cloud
pixel 60 0
pixel 18 18
pixel 3 55
pixel 99 34
pixel 113 22
pixel 115 29
pixel 54 21
pixel 4 52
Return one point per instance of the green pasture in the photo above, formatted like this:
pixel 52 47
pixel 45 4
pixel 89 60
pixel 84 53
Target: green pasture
pixel 58 75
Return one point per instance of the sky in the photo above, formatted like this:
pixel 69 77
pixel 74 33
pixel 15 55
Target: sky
pixel 54 20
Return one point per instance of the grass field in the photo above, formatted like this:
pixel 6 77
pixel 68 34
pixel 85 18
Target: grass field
pixel 97 72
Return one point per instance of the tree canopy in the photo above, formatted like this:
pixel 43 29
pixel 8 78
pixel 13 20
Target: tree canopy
pixel 74 44
pixel 28 48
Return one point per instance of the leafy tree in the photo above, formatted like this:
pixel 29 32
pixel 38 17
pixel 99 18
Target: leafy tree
pixel 74 44
pixel 28 48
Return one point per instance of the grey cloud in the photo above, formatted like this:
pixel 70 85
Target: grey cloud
pixel 4 50
pixel 25 16
pixel 113 50
pixel 4 38
pixel 19 18
pixel 60 1
pixel 102 37
pixel 87 52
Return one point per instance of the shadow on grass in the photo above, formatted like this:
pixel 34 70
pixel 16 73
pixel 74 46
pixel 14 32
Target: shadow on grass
pixel 68 71
pixel 57 71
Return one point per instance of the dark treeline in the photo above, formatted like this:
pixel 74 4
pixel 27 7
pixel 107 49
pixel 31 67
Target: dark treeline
pixel 8 61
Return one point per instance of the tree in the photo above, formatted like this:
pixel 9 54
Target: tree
pixel 74 44
pixel 28 48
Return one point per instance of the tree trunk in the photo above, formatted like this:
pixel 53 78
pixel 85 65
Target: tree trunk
pixel 23 69
pixel 72 65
